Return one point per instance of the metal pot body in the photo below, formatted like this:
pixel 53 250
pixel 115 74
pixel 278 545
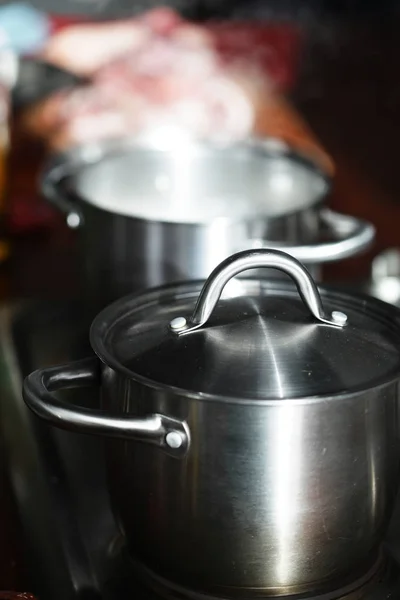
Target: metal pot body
pixel 284 498
pixel 271 461
pixel 123 251
pixel 120 254
pixel 268 498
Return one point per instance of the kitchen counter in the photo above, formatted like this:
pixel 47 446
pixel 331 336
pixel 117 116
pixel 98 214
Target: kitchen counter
pixel 350 94
pixel 12 572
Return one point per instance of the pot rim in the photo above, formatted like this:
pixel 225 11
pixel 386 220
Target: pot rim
pixel 62 165
pixel 116 311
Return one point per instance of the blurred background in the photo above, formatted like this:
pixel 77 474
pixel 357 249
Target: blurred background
pixel 334 60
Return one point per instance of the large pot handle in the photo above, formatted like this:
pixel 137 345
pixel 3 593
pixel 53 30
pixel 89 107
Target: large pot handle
pixel 256 259
pixel 168 433
pixel 50 181
pixel 350 237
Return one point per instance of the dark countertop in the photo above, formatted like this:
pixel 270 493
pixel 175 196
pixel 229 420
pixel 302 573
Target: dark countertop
pixel 12 573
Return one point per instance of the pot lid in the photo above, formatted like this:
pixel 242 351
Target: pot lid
pixel 252 339
pixel 194 183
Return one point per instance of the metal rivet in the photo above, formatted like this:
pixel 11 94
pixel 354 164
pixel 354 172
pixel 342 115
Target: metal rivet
pixel 174 439
pixel 73 220
pixel 178 323
pixel 339 317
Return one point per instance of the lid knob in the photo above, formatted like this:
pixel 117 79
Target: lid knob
pixel 256 259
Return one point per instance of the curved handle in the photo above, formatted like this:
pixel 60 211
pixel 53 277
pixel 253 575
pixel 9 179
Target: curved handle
pixel 350 237
pixel 50 184
pixel 168 433
pixel 256 259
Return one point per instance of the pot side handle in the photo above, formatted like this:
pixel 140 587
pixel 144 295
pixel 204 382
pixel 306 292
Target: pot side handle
pixel 350 236
pixel 168 433
pixel 51 187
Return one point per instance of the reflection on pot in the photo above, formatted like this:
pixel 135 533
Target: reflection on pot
pixel 385 276
pixel 16 596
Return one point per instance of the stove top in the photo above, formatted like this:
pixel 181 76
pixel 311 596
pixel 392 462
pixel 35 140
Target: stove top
pixel 59 477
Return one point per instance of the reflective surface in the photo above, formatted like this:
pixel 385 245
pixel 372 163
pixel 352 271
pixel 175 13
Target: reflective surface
pixel 16 596
pixel 271 499
pixel 257 259
pixel 385 276
pixel 284 488
pixel 39 393
pixel 134 241
pixel 58 475
pixel 259 343
pixel 197 183
pixel 163 431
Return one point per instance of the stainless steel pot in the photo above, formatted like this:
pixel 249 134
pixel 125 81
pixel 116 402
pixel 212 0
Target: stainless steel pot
pixel 150 216
pixel 268 422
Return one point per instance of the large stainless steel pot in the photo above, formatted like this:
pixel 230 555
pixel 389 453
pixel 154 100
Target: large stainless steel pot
pixel 150 216
pixel 268 422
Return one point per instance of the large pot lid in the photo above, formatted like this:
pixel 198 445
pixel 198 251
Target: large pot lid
pixel 260 341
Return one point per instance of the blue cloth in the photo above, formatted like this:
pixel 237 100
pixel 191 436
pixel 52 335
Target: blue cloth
pixel 25 28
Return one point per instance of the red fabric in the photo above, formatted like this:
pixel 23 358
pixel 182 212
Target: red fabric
pixel 275 48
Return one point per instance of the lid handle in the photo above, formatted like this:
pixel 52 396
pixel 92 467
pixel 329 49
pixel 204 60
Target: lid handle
pixel 256 259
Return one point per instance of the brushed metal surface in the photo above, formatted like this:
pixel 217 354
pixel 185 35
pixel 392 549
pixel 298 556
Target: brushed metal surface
pixel 290 477
pixel 256 259
pixel 259 342
pixel 147 216
pixel 270 498
pixel 275 498
pixel 195 182
pixel 58 470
